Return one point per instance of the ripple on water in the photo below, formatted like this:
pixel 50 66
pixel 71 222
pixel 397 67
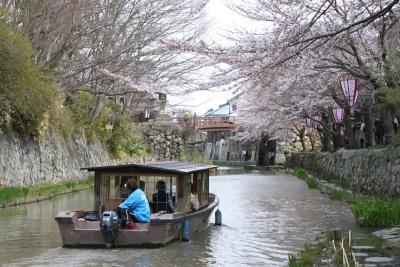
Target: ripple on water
pixel 265 217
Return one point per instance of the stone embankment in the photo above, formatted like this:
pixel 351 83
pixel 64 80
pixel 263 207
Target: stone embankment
pixel 166 145
pixel 369 171
pixel 25 162
pixel 340 248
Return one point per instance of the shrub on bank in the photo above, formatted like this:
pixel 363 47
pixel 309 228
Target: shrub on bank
pixel 27 96
pixel 116 132
pixel 31 104
pixel 126 140
pixel 300 173
pixel 9 195
pixel 312 183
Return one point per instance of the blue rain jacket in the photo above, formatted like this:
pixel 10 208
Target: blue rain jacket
pixel 137 203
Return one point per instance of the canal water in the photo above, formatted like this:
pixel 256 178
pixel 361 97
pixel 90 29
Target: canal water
pixel 265 217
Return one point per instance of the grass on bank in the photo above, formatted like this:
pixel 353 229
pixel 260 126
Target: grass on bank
pixel 9 195
pixel 342 195
pixel 303 174
pixel 369 211
pixel 305 258
pixel 376 211
pixel 300 173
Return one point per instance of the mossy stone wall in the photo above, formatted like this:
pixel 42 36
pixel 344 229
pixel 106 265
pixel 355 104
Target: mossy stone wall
pixel 54 158
pixel 370 171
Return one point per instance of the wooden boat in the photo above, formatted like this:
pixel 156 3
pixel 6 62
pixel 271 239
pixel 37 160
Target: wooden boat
pixel 163 227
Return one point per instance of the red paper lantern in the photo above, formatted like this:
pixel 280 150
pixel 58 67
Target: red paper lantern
pixel 313 122
pixel 350 91
pixel 338 115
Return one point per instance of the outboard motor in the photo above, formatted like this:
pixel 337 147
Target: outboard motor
pixel 109 225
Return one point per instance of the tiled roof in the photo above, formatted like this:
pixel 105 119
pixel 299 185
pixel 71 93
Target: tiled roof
pixel 161 166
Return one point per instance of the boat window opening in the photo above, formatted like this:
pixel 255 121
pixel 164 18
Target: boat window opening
pixel 185 184
pixel 162 198
pixel 115 191
pixel 200 184
pixel 193 181
pixel 180 186
pixel 104 192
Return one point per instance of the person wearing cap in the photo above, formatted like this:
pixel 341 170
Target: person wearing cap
pixel 136 202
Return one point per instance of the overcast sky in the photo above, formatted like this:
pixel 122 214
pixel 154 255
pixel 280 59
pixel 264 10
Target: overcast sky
pixel 221 19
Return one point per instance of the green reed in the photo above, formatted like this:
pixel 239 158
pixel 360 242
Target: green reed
pixel 305 258
pixel 376 211
pixel 9 195
pixel 300 173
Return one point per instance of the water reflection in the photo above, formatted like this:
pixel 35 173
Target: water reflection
pixel 265 217
pixel 31 228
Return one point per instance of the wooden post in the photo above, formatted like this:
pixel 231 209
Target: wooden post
pixel 96 206
pixel 354 259
pixel 350 238
pixel 345 259
pixel 334 246
pixel 333 234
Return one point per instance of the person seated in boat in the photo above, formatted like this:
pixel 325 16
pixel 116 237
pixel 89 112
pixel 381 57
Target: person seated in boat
pixel 124 191
pixel 162 201
pixel 194 200
pixel 136 202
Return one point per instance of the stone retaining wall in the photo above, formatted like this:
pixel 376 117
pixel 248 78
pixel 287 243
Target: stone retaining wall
pixel 370 171
pixel 54 158
pixel 165 142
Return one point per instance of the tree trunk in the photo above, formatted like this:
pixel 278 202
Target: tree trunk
pixel 337 138
pixel 96 109
pixel 262 150
pixel 387 120
pixel 127 103
pixel 369 126
pixel 303 144
pixel 302 135
pixel 348 124
pixel 311 141
pixel 325 141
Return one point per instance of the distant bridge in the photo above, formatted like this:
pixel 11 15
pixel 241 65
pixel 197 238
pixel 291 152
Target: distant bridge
pixel 209 124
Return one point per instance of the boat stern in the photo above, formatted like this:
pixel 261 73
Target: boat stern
pixel 77 232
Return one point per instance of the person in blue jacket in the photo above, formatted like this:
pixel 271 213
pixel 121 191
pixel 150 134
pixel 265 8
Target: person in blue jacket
pixel 137 202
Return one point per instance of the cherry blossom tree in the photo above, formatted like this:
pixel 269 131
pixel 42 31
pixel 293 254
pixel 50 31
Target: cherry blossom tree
pixel 291 68
pixel 357 38
pixel 111 48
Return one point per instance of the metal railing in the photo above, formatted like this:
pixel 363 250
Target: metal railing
pixel 206 122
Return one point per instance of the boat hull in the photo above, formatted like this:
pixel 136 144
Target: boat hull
pixel 161 230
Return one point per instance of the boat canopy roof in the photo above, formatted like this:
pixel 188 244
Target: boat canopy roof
pixel 171 167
